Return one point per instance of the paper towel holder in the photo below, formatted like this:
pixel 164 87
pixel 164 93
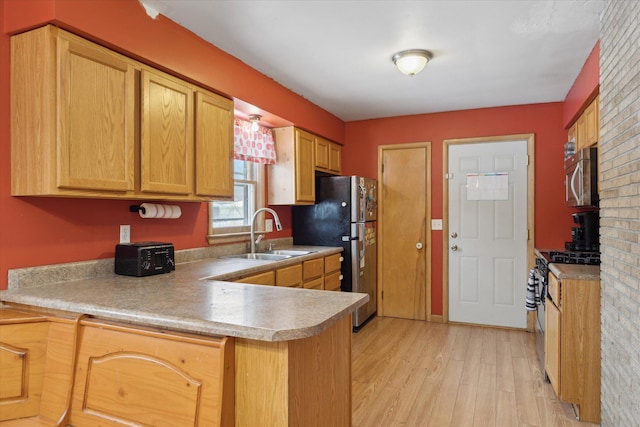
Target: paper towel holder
pixel 137 208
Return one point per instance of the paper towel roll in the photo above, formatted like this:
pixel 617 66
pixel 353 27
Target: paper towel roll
pixel 155 210
pixel 150 210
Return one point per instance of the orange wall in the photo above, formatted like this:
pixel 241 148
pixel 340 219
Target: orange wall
pixel 553 219
pixel 39 231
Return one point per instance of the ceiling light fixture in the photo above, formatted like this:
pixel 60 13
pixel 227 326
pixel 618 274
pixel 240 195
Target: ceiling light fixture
pixel 412 61
pixel 255 122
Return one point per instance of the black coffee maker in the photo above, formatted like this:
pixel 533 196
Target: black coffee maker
pixel 586 236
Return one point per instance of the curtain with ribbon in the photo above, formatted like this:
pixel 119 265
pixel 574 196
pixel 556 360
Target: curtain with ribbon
pixel 256 147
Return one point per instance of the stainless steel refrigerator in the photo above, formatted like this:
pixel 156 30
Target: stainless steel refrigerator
pixel 344 215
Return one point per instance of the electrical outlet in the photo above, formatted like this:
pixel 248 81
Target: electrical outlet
pixel 125 234
pixel 436 224
pixel 268 225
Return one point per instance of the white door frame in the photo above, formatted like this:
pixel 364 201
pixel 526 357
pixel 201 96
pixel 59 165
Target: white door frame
pixel 530 137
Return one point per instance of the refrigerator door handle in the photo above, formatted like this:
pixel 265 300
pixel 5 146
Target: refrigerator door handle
pixel 363 243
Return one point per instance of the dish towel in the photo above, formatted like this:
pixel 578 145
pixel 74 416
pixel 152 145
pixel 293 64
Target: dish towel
pixel 533 291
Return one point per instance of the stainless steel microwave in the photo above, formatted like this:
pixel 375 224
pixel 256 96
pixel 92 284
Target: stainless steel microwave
pixel 581 178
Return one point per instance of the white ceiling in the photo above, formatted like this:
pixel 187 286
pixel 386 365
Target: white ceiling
pixel 337 54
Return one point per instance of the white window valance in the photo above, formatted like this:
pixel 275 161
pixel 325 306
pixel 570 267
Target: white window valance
pixel 256 147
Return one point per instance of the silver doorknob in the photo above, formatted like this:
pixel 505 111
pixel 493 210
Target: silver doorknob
pixel 419 245
pixel 454 248
pixel 454 235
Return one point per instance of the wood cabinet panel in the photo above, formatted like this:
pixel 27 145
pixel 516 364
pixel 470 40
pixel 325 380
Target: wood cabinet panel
pixel 335 158
pixel 137 377
pixel 552 345
pixel 73 116
pixel 214 145
pixel 328 156
pixel 267 278
pixel 305 172
pixel 322 153
pixel 166 142
pixel 317 284
pixel 332 281
pixel 332 263
pixel 292 178
pixel 572 343
pixel 289 276
pixel 23 349
pixel 305 382
pixel 313 268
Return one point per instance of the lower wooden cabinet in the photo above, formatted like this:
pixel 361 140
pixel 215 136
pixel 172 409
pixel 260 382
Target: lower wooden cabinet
pixel 302 382
pixel 137 376
pixel 572 343
pixel 332 275
pixel 322 273
pixel 313 274
pixel 290 277
pixel 267 278
pixel 23 348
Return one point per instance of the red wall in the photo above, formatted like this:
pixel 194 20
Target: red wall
pixel 584 89
pixel 553 219
pixel 39 231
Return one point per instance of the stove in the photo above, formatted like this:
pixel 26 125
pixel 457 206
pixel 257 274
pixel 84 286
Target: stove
pixel 572 257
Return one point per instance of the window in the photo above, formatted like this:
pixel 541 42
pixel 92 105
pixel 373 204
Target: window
pixel 232 218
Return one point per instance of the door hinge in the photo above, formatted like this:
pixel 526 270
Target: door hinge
pixel 527 161
pixel 448 175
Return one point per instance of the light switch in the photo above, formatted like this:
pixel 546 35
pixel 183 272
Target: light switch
pixel 268 225
pixel 436 224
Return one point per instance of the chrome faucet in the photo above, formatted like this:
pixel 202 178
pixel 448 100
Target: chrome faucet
pixel 253 226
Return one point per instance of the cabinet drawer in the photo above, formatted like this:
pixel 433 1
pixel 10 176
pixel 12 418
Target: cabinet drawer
pixel 332 263
pixel 312 268
pixel 554 290
pixel 314 284
pixel 268 278
pixel 332 281
pixel 289 276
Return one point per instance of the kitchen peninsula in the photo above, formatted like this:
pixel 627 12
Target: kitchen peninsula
pixel 279 356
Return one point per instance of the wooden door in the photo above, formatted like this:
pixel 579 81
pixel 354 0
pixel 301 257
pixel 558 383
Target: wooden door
pixel 96 113
pixel 305 170
pixel 404 230
pixel 167 143
pixel 214 145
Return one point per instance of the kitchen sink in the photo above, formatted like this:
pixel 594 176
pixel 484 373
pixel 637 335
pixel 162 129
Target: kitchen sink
pixel 289 252
pixel 260 256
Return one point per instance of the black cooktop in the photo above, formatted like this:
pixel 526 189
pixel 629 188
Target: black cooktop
pixel 572 257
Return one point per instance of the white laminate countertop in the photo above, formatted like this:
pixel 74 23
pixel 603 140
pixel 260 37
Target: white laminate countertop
pixel 190 300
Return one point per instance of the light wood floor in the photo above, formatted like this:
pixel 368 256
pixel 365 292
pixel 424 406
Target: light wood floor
pixel 413 373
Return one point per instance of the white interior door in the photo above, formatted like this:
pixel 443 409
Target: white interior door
pixel 488 233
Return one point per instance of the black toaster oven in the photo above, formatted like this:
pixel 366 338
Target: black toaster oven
pixel 144 258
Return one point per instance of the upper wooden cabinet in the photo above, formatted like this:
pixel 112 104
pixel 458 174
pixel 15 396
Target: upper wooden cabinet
pixel 73 116
pixel 586 130
pixel 292 178
pixel 166 142
pixel 328 156
pixel 88 122
pixel 214 145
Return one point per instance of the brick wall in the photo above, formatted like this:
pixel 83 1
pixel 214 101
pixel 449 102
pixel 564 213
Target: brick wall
pixel 620 211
